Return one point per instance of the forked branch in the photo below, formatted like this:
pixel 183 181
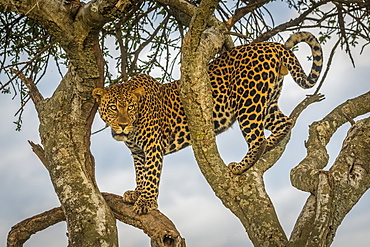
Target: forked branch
pixel 306 175
pixel 336 191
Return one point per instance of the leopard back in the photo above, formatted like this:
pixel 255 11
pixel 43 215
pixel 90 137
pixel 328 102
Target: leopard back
pixel 246 84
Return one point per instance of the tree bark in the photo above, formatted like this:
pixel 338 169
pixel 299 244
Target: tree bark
pixel 157 226
pixel 336 191
pixel 66 117
pixel 244 195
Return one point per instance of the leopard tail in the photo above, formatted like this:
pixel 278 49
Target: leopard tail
pixel 317 57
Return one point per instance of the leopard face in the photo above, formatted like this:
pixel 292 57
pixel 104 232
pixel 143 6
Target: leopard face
pixel 118 108
pixel 246 83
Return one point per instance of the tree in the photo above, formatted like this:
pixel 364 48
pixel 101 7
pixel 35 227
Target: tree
pixel 76 35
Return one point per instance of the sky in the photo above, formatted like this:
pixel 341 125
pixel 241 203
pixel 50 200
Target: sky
pixel 185 197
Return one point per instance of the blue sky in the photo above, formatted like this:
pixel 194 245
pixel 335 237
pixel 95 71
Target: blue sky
pixel 185 197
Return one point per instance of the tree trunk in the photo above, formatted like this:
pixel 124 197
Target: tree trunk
pixel 66 117
pixel 65 121
pixel 336 191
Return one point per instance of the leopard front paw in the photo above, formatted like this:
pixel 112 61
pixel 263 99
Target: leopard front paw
pixel 131 196
pixel 144 206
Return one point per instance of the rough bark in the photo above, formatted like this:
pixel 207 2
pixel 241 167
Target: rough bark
pixel 336 191
pixel 22 231
pixel 65 121
pixel 66 117
pixel 156 225
pixel 244 195
pixel 238 193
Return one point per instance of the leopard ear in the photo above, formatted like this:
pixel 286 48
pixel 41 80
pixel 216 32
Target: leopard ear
pixel 138 92
pixel 97 93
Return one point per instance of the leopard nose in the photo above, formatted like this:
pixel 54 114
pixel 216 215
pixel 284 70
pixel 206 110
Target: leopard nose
pixel 123 126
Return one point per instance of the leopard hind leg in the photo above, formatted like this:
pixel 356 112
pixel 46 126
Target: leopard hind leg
pixel 251 126
pixel 278 124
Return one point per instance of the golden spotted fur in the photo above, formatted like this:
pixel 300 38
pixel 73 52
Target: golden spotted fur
pixel 246 83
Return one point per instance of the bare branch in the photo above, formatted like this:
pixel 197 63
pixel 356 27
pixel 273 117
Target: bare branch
pixel 240 12
pixel 295 22
pixel 270 158
pixel 342 31
pixel 39 151
pixel 304 104
pixel 34 93
pixel 22 231
pixel 305 176
pixel 331 56
pixel 338 189
pixel 181 5
pixel 155 224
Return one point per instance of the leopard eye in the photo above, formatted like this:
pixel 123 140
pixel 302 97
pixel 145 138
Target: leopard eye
pixel 113 107
pixel 130 107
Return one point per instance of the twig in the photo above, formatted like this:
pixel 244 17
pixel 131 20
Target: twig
pixel 240 12
pixel 342 32
pixel 268 34
pixel 100 130
pixel 34 92
pixel 327 66
pixel 28 63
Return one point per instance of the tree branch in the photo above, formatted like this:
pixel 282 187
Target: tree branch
pixel 34 92
pixel 181 5
pixel 295 22
pixel 156 225
pixel 350 173
pixel 241 12
pixel 190 10
pixel 244 195
pixel 22 231
pixel 305 176
pixel 195 88
pixel 345 182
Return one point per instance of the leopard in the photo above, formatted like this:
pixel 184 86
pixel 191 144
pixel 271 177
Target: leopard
pixel 246 81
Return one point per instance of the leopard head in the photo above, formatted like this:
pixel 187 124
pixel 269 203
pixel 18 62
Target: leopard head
pixel 118 108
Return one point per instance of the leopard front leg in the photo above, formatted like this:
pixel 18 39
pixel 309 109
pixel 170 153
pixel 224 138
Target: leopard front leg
pixel 131 196
pixel 147 200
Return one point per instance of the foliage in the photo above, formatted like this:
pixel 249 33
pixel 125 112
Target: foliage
pixel 149 37
pixel 146 39
pixel 28 48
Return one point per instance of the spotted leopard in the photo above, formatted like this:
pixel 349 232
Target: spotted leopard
pixel 246 83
